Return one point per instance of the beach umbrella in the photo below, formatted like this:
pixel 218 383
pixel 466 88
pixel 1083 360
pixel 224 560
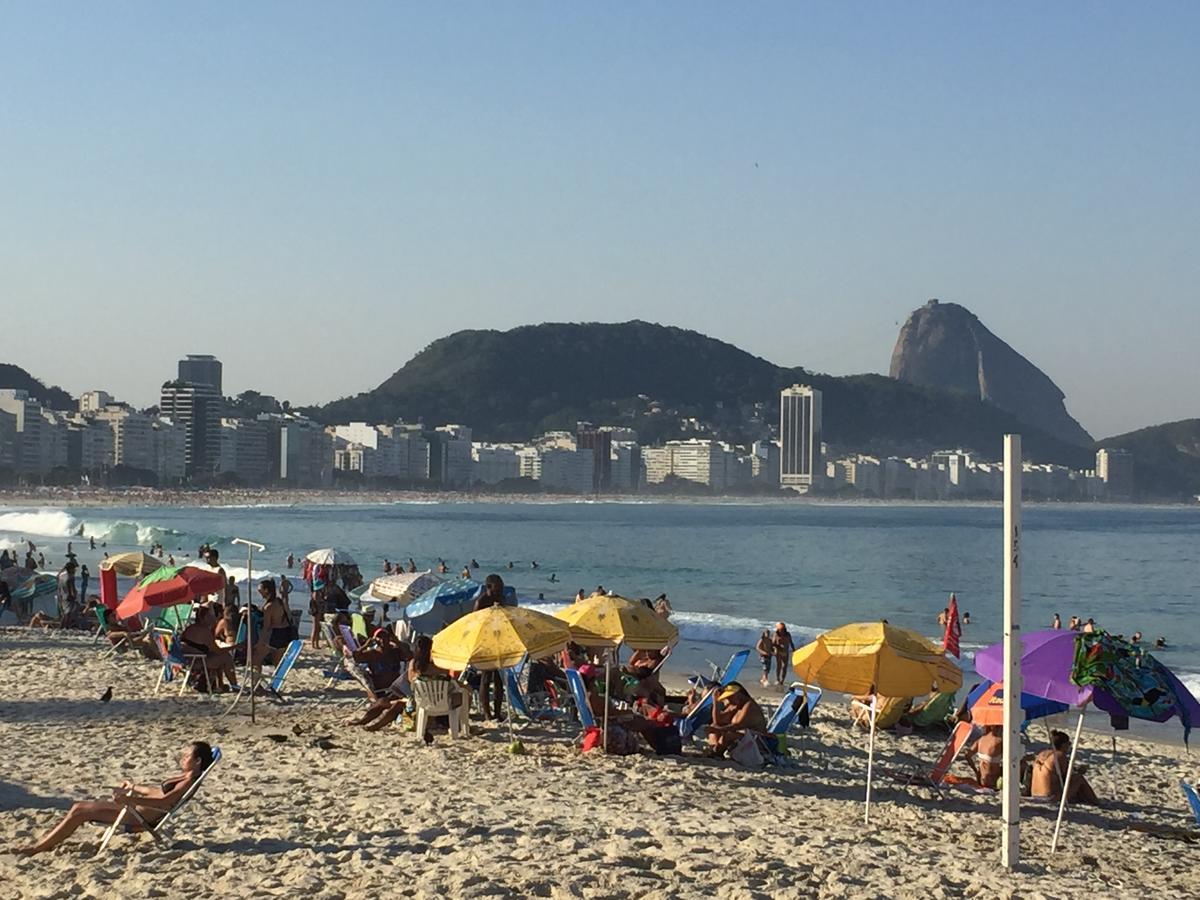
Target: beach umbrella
pixel 498 637
pixel 330 556
pixel 1081 668
pixel 135 564
pixel 986 703
pixel 606 620
pixel 448 602
pixel 403 587
pixel 169 586
pixel 878 659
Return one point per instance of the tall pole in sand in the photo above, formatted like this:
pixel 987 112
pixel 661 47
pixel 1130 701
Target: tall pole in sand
pixel 1010 848
pixel 248 678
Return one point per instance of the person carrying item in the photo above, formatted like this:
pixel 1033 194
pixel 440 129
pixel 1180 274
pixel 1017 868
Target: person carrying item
pixel 1050 768
pixel 734 715
pixel 151 803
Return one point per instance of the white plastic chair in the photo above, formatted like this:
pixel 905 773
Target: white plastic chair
pixel 435 697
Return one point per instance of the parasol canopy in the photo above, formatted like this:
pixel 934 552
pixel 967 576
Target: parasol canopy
pixel 403 587
pixel 167 587
pixel 131 565
pixel 986 703
pixel 609 621
pixel 331 556
pixel 498 637
pixel 448 602
pixel 874 656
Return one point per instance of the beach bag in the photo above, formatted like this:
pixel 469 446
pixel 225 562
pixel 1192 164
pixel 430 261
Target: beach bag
pixel 746 753
pixel 665 740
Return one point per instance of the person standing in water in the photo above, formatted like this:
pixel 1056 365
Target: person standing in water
pixel 1057 623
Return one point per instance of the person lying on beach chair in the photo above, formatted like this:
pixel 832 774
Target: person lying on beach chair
pixel 385 657
pixel 1049 768
pixel 151 804
pixel 734 715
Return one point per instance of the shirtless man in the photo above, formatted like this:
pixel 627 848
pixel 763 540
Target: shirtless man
pixel 200 637
pixel 1050 767
pixel 734 714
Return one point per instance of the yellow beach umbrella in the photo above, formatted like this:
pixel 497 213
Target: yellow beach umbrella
pixel 607 621
pixel 878 658
pixel 498 637
pixel 131 565
pixel 875 656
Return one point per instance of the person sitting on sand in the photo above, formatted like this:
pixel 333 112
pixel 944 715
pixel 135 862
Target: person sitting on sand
pixel 151 803
pixel 986 756
pixel 200 637
pixel 734 715
pixel 1050 767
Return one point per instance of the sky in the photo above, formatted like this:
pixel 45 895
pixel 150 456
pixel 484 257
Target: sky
pixel 315 192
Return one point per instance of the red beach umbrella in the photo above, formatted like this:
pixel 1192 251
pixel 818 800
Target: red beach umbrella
pixel 167 587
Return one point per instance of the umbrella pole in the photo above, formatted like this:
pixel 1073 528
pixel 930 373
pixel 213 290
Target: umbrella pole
pixel 870 760
pixel 607 696
pixel 1062 803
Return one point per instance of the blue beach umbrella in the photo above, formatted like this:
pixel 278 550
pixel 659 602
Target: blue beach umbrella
pixel 446 603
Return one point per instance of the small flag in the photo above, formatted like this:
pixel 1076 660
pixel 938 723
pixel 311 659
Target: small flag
pixel 953 629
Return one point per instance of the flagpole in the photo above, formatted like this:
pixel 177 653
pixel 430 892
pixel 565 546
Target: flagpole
pixel 1010 848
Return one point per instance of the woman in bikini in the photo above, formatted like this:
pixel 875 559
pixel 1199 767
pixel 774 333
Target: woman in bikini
pixel 151 803
pixel 277 631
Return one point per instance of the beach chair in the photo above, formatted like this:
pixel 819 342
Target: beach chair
pixel 125 640
pixel 358 626
pixel 174 618
pixel 794 711
pixel 1193 799
pixel 961 737
pixel 175 662
pixel 349 638
pixel 139 824
pixel 932 714
pixel 703 710
pixel 579 692
pixel 435 697
pixel 519 705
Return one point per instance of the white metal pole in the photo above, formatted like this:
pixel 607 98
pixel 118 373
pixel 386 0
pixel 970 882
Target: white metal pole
pixel 870 759
pixel 248 677
pixel 1010 847
pixel 607 696
pixel 1066 786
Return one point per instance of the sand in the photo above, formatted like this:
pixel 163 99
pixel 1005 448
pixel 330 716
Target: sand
pixel 382 814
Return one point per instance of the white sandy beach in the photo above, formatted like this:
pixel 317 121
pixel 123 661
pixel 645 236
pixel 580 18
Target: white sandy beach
pixel 381 814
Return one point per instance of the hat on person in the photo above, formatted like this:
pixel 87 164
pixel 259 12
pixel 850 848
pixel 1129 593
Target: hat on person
pixel 730 691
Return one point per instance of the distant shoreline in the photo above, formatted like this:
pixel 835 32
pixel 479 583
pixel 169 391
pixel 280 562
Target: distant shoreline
pixel 235 497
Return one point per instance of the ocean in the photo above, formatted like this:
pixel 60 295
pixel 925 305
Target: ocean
pixel 730 569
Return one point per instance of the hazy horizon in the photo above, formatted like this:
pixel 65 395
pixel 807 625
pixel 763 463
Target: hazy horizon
pixel 314 195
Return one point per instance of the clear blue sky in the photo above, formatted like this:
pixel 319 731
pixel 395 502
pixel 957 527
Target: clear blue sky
pixel 315 192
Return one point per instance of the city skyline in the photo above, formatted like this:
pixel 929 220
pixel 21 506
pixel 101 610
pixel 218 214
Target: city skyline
pixel 275 185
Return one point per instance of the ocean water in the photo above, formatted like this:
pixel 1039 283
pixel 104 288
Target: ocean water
pixel 729 569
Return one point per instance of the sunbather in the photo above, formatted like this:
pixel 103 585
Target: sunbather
pixel 1050 767
pixel 151 803
pixel 385 658
pixel 643 668
pixel 986 756
pixel 734 714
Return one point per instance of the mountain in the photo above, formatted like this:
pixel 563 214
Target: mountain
pixel 12 376
pixel 512 385
pixel 944 345
pixel 1166 458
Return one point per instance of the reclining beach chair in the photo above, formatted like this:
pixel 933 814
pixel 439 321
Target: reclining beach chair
pixel 125 638
pixel 700 714
pixel 176 661
pixel 517 703
pixel 1193 799
pixel 794 710
pixel 579 693
pixel 139 824
pixel 435 697
pixel 961 737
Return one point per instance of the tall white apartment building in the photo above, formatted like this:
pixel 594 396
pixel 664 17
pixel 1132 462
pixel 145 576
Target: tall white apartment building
pixel 493 463
pixel 27 419
pixel 567 470
pixel 801 464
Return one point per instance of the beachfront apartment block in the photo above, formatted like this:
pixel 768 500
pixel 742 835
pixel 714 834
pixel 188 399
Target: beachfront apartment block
pixel 571 471
pixel 27 429
pixel 197 407
pixel 245 450
pixel 801 465
pixel 201 368
pixel 493 463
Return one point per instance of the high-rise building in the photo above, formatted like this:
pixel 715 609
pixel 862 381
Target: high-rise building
pixel 201 368
pixel 600 443
pixel 169 440
pixel 133 436
pixel 94 401
pixel 27 415
pixel 244 450
pixel 197 407
pixel 1115 468
pixel 800 465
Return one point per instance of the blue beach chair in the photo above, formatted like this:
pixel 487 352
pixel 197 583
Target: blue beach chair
pixel 1193 799
pixel 519 705
pixel 699 715
pixel 579 692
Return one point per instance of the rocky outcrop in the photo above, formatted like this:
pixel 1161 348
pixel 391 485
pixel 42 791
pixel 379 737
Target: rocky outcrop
pixel 944 345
